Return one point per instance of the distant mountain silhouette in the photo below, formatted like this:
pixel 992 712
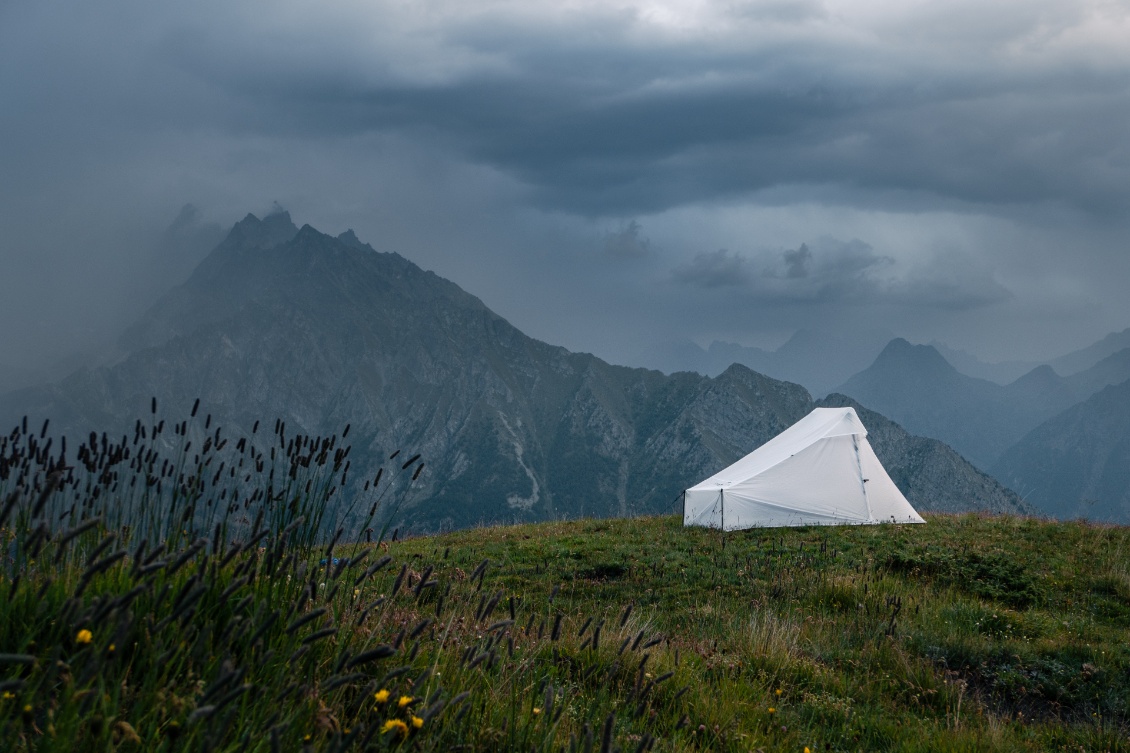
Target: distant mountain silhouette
pixel 1114 369
pixel 1004 372
pixel 1077 464
pixel 915 386
pixel 820 360
pixel 322 332
pixel 988 422
pixel 1085 358
pixel 925 468
pixel 1001 372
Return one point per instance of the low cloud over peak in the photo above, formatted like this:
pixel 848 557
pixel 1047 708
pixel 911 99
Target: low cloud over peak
pixel 519 136
pixel 628 242
pixel 831 271
pixel 715 269
pixel 797 262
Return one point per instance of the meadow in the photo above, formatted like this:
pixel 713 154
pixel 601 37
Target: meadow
pixel 183 590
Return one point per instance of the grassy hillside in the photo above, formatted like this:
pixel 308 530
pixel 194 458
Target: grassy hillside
pixel 969 633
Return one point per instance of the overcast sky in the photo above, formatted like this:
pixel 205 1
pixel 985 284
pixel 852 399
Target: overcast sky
pixel 612 177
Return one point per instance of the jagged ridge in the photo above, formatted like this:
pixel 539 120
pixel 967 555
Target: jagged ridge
pixel 324 331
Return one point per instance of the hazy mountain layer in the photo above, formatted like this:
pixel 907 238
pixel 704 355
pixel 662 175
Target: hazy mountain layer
pixel 1001 372
pixel 916 386
pixel 1114 369
pixel 1078 463
pixel 1085 358
pixel 818 360
pixel 323 332
pixel 1004 372
pixel 926 469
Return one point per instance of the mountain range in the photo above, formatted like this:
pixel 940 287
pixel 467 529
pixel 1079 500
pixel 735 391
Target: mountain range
pixel 818 359
pixel 323 332
pixel 916 386
pixel 823 359
pixel 1004 372
pixel 1077 464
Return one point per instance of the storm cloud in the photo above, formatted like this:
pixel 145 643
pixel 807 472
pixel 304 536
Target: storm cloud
pixel 959 168
pixel 628 242
pixel 608 110
pixel 715 270
pixel 845 273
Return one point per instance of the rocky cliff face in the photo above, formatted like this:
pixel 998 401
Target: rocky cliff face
pixel 323 332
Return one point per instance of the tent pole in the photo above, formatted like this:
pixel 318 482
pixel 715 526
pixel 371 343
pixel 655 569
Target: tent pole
pixel 862 481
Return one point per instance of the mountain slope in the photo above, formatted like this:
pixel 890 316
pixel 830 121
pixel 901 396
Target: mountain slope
pixel 817 359
pixel 1085 358
pixel 1069 364
pixel 322 332
pixel 1114 369
pixel 927 470
pixel 917 387
pixel 1001 372
pixel 1077 464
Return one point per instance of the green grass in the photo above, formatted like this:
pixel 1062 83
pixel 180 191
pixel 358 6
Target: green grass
pixel 969 633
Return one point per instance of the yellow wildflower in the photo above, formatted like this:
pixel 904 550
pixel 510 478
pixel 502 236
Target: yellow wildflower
pixel 778 692
pixel 404 700
pixel 536 711
pixel 772 710
pixel 417 722
pixel 806 750
pixel 395 725
pixel 381 696
pixel 6 696
pixel 84 636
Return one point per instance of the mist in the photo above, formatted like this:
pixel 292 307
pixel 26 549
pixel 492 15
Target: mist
pixel 616 179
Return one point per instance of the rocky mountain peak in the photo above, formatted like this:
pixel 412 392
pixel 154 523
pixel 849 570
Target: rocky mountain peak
pixel 322 332
pixel 905 357
pixel 1039 379
pixel 273 230
pixel 350 238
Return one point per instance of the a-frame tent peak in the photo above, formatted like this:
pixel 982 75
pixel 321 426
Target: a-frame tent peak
pixel 819 471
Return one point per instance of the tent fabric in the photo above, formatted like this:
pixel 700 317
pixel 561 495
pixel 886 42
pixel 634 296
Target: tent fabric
pixel 819 471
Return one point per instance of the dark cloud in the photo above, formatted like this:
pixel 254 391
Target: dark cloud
pixel 797 262
pixel 714 269
pixel 979 154
pixel 627 243
pixel 834 272
pixel 599 119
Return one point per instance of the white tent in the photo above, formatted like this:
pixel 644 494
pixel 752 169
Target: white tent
pixel 819 471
